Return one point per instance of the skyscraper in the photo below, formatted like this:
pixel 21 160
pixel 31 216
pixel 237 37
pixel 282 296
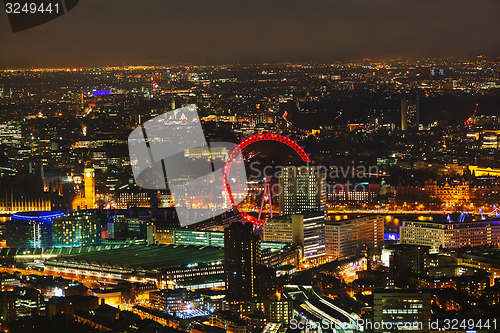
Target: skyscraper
pixel 302 189
pixel 414 113
pixel 404 114
pixel 241 261
pixel 410 113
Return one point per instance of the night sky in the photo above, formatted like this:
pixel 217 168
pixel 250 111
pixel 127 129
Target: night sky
pixel 164 32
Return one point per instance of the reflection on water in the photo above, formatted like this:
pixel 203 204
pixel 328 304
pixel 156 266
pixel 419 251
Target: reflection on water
pixel 392 222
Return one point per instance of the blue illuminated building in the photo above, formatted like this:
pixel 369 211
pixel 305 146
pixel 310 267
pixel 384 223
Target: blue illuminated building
pixel 101 92
pixel 391 236
pixel 31 229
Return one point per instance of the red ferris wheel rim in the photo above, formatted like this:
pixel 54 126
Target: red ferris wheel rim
pixel 245 143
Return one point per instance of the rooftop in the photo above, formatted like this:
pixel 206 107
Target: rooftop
pixel 37 215
pixel 147 257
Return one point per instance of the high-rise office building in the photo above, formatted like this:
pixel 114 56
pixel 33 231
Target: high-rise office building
pixel 302 189
pixel 410 114
pixel 306 230
pixel 414 113
pixel 31 229
pixel 351 236
pixel 241 261
pixel 404 114
pixel 77 229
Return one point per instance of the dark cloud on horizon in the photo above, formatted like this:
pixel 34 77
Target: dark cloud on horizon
pixel 110 32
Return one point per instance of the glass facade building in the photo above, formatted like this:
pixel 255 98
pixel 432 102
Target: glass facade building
pixel 31 229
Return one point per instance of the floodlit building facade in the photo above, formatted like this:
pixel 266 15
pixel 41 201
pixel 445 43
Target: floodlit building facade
pixel 351 236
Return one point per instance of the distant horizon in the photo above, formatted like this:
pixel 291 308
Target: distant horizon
pixel 283 62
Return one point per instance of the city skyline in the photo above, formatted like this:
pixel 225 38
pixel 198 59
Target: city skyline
pixel 317 163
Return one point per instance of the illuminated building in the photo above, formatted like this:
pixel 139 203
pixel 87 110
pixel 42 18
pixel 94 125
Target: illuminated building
pixel 410 114
pixel 281 256
pixel 77 229
pixel 302 188
pixel 8 281
pixel 127 200
pixel 31 229
pixel 11 133
pixel 450 195
pixel 479 171
pixel 10 204
pixel 164 235
pixel 404 114
pixel 352 193
pixel 451 234
pixel 78 101
pixel 29 302
pixel 278 311
pixel 489 261
pixel 132 196
pixel 193 237
pixel 180 301
pixel 207 153
pixel 306 230
pixel 431 282
pixel 352 236
pixel 122 228
pixel 99 159
pixel 490 139
pixel 401 306
pixel 424 233
pixel 273 254
pixel 165 200
pixel 458 194
pixel 473 285
pixel 242 256
pixel 228 321
pixel 89 183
